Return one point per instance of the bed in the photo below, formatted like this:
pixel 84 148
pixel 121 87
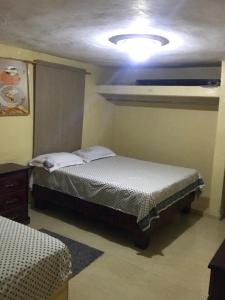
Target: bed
pixel 34 266
pixel 125 192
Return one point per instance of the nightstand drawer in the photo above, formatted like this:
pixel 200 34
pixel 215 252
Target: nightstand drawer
pixel 16 214
pixel 14 192
pixel 13 200
pixel 11 182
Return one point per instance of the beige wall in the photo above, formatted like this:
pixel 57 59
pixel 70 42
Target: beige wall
pixel 175 136
pixel 217 195
pixel 171 136
pixel 98 115
pixel 183 137
pixel 16 133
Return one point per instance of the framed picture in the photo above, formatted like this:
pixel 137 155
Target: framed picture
pixel 14 98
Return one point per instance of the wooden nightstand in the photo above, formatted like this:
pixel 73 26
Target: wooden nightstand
pixel 14 192
pixel 217 277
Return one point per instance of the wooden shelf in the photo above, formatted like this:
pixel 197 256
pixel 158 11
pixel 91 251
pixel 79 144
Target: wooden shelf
pixel 128 92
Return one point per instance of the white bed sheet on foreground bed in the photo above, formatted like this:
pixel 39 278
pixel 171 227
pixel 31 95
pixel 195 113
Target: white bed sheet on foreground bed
pixel 139 188
pixel 33 265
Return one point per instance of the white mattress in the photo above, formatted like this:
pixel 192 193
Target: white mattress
pixel 135 187
pixel 32 264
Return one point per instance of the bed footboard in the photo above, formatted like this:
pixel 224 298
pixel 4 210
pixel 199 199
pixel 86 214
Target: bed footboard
pixel 61 293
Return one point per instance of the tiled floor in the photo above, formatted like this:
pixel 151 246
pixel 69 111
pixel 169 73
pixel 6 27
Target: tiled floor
pixel 174 267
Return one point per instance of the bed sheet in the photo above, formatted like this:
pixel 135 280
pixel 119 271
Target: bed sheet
pixel 32 264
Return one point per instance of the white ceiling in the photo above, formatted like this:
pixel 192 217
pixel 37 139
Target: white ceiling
pixel 79 29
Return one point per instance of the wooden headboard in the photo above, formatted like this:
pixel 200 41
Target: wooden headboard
pixel 58 108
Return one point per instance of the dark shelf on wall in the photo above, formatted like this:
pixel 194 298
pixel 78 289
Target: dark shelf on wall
pixel 179 82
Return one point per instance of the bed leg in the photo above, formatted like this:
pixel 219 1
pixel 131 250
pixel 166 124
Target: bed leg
pixel 141 238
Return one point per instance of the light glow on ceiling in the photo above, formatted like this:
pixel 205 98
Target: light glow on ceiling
pixel 140 47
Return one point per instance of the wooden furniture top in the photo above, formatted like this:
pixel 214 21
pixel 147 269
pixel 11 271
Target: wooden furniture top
pixel 11 168
pixel 218 261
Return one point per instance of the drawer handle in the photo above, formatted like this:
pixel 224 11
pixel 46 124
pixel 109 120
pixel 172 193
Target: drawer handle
pixel 12 201
pixel 14 217
pixel 10 185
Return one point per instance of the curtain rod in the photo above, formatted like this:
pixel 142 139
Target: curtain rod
pixel 58 66
pixel 34 62
pixel 19 59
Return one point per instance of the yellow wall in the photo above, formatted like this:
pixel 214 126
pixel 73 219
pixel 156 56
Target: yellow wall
pixel 16 133
pixel 183 137
pixel 98 115
pixel 217 195
pixel 172 136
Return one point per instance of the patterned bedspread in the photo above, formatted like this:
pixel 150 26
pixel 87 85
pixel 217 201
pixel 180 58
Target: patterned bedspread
pixel 32 264
pixel 139 188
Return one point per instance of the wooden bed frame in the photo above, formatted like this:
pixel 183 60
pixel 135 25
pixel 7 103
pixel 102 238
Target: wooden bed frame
pixel 61 293
pixel 44 196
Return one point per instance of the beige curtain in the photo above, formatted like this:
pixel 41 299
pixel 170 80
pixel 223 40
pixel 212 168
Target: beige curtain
pixel 59 105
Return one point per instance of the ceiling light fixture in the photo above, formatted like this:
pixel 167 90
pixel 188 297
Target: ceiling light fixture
pixel 139 46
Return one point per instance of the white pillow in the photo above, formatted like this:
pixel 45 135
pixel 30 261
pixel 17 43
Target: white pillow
pixel 54 161
pixel 94 152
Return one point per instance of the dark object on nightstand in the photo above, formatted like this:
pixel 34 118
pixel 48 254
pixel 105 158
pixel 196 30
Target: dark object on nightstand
pixel 217 277
pixel 14 192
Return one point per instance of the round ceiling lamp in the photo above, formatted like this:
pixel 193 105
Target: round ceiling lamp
pixel 139 46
